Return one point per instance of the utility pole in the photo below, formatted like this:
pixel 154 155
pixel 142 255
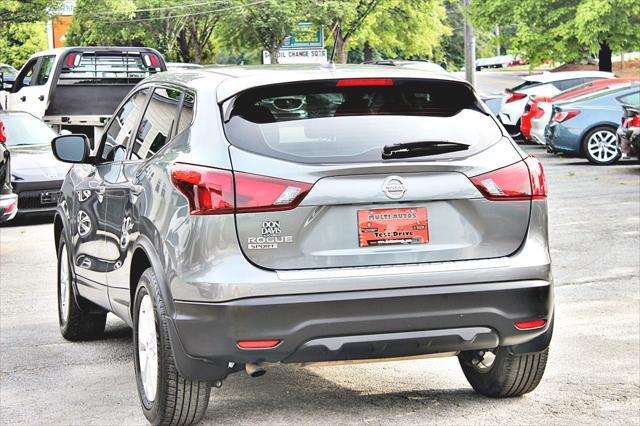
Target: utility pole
pixel 498 40
pixel 469 48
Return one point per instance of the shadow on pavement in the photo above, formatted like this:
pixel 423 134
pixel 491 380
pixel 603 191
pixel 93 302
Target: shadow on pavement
pixel 28 220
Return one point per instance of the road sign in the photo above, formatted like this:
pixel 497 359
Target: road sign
pixel 297 56
pixel 305 36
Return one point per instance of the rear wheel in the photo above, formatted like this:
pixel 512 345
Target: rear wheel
pixel 166 397
pixel 600 146
pixel 76 324
pixel 499 373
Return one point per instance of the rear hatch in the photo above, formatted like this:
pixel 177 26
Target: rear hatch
pixel 368 172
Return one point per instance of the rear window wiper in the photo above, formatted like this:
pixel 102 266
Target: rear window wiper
pixel 421 149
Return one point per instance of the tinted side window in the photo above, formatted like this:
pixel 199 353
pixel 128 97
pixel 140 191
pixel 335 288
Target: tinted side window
pixel 117 136
pixel 46 65
pixel 24 78
pixel 157 124
pixel 186 113
pixel 631 99
pixel 568 84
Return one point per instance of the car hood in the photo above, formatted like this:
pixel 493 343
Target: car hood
pixel 36 163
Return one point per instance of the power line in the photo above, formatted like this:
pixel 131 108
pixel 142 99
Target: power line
pixel 159 18
pixel 178 6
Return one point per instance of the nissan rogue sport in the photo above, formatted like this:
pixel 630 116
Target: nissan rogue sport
pixel 240 217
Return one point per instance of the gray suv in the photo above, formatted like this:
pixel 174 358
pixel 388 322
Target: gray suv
pixel 240 217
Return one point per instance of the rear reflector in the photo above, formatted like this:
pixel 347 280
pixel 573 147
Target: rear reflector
pixel 213 191
pixel 523 180
pixel 515 96
pixel 365 82
pixel 258 344
pixel 529 325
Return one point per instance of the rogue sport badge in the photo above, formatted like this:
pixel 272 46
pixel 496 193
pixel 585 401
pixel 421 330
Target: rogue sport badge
pixel 394 187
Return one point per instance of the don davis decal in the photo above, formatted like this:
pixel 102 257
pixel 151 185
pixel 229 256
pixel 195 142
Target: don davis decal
pixel 270 237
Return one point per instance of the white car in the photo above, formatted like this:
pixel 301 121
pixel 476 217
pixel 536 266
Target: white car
pixel 545 84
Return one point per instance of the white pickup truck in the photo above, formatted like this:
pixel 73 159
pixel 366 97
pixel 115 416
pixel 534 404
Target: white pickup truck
pixel 78 88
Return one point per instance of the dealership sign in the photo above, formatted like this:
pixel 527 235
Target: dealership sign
pixel 305 36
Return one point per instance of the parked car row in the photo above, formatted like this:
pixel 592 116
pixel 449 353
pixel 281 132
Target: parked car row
pixel 576 113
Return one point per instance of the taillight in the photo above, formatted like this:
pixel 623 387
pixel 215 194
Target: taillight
pixel 564 116
pixel 256 193
pixel 365 82
pixel 538 180
pixel 210 191
pixel 515 96
pixel 523 180
pixel 634 121
pixel 539 112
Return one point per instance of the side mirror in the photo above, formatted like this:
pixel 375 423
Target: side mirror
pixel 71 148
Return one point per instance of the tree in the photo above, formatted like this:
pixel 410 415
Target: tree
pixel 22 28
pixel 19 41
pixel 178 29
pixel 564 30
pixel 25 11
pixel 344 18
pixel 406 28
pixel 262 25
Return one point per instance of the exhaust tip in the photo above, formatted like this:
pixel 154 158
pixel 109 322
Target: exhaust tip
pixel 254 370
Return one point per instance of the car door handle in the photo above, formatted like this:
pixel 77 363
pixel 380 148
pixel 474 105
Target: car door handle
pixel 23 98
pixel 135 190
pixel 41 97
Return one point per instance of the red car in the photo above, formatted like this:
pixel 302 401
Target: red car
pixel 531 109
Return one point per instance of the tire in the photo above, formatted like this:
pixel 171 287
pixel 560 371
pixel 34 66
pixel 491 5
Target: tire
pixel 600 146
pixel 76 324
pixel 509 375
pixel 166 397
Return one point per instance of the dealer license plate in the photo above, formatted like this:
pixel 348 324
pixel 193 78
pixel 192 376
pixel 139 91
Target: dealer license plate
pixel 393 226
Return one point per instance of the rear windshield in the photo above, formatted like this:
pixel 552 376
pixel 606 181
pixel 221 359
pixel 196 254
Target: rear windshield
pixel 89 67
pixel 524 85
pixel 352 121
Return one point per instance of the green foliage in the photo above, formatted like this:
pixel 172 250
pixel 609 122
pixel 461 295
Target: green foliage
pixel 263 25
pixel 405 28
pixel 22 28
pixel 562 30
pixel 21 40
pixel 22 11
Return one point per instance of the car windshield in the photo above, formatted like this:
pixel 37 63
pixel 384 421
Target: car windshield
pixel 353 120
pixel 24 129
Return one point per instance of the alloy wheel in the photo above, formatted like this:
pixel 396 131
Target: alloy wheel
pixel 602 146
pixel 65 284
pixel 148 348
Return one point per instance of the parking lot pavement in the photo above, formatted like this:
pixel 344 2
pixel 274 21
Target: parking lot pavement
pixel 593 374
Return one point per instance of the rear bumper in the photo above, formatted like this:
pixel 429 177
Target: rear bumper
pixel 359 325
pixel 37 197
